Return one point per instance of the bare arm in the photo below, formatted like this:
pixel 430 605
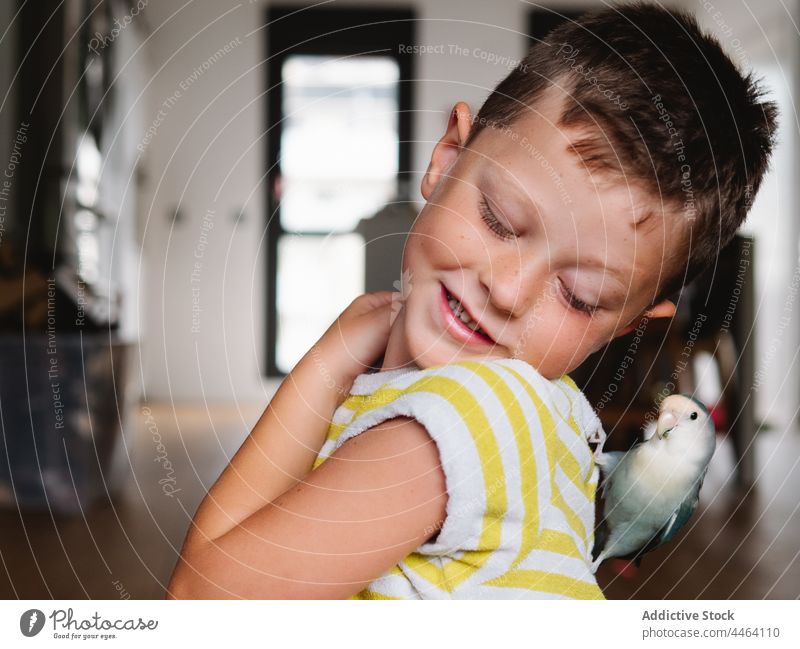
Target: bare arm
pixel 369 505
pixel 279 451
pixel 284 443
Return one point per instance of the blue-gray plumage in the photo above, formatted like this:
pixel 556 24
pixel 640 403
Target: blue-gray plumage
pixel 651 490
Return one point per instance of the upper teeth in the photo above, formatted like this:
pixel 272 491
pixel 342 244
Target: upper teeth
pixel 462 314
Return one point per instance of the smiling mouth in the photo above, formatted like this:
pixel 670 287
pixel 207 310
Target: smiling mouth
pixel 458 320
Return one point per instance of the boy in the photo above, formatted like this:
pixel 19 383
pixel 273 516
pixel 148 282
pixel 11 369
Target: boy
pixel 601 175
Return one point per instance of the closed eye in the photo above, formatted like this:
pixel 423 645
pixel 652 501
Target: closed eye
pixel 492 222
pixel 576 303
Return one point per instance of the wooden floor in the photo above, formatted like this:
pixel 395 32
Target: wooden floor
pixel 737 546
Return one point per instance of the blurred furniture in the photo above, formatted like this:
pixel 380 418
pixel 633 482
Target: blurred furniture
pixel 625 380
pixel 69 251
pixel 384 235
pixel 61 419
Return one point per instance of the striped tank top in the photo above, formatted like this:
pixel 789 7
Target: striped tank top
pixel 520 476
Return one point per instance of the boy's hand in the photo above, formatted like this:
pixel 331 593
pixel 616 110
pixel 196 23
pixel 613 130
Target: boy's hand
pixel 357 338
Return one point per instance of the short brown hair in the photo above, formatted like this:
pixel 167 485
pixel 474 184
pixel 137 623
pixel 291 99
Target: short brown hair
pixel 662 103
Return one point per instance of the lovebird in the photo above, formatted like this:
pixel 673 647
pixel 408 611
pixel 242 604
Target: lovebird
pixel 651 490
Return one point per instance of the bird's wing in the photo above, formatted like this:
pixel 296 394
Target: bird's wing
pixel 700 479
pixel 600 539
pixel 685 511
pixel 678 519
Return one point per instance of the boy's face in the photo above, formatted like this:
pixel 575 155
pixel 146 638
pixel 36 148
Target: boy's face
pixel 560 272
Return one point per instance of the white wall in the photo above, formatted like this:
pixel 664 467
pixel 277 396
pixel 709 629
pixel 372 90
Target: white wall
pixel 206 154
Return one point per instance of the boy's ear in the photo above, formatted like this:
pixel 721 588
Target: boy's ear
pixel 447 148
pixel 664 309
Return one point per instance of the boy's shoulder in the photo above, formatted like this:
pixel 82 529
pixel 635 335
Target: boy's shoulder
pixel 483 378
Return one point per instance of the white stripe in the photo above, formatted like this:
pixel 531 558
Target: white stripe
pixel 543 469
pixel 576 499
pixel 394 586
pixel 560 564
pixel 342 415
pixel 579 504
pixel 556 520
pixel 577 446
pixel 367 383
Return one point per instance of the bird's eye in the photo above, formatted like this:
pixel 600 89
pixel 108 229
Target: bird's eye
pixel 693 415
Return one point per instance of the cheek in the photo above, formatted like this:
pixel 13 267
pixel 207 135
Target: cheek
pixel 557 341
pixel 443 237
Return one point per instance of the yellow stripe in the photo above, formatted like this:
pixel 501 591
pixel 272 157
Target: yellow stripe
pixel 571 467
pixel 573 519
pixel 551 437
pixel 574 425
pixel 429 571
pixel 359 404
pixel 372 594
pixel 548 582
pixel 560 543
pixel 527 460
pixel 568 380
pixel 578 432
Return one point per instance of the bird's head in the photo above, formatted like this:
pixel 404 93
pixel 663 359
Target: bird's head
pixel 679 411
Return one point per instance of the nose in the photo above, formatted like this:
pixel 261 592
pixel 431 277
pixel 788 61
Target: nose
pixel 511 286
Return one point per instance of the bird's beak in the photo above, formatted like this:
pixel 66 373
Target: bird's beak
pixel 666 422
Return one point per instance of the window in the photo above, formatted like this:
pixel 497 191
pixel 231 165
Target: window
pixel 339 119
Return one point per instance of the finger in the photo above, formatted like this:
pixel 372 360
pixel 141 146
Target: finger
pixel 381 298
pixel 377 301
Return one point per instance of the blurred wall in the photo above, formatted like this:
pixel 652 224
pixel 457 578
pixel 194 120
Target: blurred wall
pixel 762 36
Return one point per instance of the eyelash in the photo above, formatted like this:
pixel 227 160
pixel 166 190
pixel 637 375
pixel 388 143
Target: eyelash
pixel 575 303
pixel 492 222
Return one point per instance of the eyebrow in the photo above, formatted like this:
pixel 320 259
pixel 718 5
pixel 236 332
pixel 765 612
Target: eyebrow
pixel 593 262
pixel 596 156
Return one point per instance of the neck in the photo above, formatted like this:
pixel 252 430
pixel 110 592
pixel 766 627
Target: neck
pixel 397 355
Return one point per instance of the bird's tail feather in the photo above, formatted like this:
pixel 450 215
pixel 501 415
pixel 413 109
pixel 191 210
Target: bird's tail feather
pixel 600 539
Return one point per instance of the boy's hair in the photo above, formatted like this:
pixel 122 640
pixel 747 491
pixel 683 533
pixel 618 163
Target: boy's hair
pixel 660 102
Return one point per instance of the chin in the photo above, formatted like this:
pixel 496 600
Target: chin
pixel 432 351
pixel 555 371
pixel 426 355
